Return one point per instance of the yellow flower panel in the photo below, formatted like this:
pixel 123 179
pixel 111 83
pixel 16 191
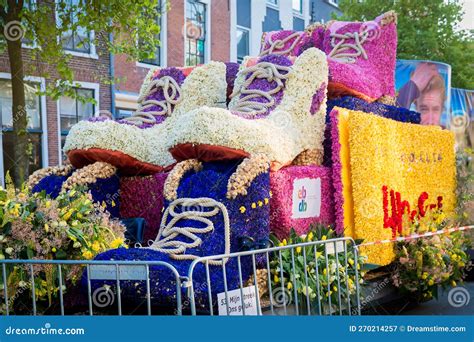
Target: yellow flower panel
pixel 407 158
pixel 343 122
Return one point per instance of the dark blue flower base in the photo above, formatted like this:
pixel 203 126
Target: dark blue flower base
pixel 51 185
pixel 390 112
pixel 252 223
pixel 104 190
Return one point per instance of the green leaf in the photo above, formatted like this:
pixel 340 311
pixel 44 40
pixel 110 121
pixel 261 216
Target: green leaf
pixel 61 255
pixel 300 260
pixel 29 253
pixel 7 228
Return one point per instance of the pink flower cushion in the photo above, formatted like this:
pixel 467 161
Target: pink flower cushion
pixel 143 197
pixel 301 195
pixel 367 78
pixel 361 55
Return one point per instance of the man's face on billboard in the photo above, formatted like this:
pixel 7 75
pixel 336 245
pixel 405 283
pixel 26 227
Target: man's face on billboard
pixel 430 105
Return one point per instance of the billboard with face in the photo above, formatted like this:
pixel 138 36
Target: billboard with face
pixel 425 86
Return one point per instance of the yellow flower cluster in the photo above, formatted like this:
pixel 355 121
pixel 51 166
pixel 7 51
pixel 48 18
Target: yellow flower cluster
pixel 68 227
pixel 254 205
pixel 407 158
pixel 321 274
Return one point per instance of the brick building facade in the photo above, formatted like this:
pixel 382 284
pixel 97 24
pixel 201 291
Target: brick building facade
pixel 179 24
pixel 49 119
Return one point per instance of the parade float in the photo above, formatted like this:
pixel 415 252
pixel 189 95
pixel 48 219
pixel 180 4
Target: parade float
pixel 300 144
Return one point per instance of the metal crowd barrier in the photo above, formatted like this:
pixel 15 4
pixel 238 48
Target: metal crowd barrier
pixel 253 282
pixel 282 299
pixel 102 300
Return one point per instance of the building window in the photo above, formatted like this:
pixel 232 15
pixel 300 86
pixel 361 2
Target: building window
pixel 272 2
pixel 298 24
pixel 195 32
pixel 156 60
pixel 244 13
pixel 72 110
pixel 334 2
pixel 271 21
pixel 78 41
pixel 35 129
pixel 243 43
pixel 122 113
pixel 298 6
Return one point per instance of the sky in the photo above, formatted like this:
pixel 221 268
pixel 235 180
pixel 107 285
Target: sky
pixel 468 22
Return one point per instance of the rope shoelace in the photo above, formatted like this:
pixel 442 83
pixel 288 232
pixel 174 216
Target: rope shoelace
pixel 196 209
pixel 341 49
pixel 171 92
pixel 276 46
pixel 248 102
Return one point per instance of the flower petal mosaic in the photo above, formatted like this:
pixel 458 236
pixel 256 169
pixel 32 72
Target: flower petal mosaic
pixel 361 55
pixel 139 146
pixel 278 124
pixel 385 172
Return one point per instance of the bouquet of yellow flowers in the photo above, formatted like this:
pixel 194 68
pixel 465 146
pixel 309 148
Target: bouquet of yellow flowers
pixel 426 263
pixel 34 226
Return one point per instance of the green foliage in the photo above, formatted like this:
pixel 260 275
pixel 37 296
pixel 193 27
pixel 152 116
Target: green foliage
pixel 427 30
pixel 127 21
pixel 332 278
pixel 424 264
pixel 465 186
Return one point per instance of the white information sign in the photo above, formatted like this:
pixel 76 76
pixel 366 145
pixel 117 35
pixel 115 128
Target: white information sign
pixel 249 300
pixel 306 198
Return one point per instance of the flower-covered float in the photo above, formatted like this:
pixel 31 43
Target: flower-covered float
pixel 277 109
pixel 219 155
pixel 265 89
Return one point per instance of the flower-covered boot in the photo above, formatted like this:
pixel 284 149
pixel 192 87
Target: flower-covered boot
pixel 136 145
pixel 361 55
pixel 210 209
pixel 277 109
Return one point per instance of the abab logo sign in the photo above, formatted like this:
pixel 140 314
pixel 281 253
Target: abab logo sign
pixel 303 205
pixel 306 198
